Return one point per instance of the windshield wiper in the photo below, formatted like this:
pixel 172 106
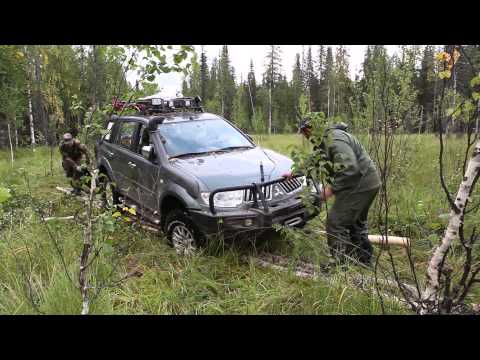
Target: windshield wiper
pixel 234 148
pixel 189 154
pixel 211 151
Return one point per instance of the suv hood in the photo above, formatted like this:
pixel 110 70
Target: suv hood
pixel 235 168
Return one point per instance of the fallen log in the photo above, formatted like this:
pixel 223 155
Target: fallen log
pixel 59 218
pixel 313 272
pixel 64 190
pixel 392 240
pixel 382 240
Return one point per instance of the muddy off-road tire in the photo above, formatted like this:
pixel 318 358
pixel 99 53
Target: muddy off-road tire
pixel 110 196
pixel 181 232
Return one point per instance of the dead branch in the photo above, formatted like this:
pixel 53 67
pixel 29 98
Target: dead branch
pixel 87 246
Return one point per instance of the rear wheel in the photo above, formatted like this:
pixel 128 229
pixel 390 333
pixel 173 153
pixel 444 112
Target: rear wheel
pixel 182 233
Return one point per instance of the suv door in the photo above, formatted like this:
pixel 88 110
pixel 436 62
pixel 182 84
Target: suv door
pixel 121 160
pixel 147 180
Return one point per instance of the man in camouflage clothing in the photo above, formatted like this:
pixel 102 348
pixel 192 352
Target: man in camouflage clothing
pixel 354 180
pixel 72 151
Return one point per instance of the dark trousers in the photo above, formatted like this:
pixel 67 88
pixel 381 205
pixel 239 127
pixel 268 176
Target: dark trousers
pixel 347 226
pixel 71 172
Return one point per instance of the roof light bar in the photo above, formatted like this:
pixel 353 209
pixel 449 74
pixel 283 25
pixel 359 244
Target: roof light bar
pixel 151 105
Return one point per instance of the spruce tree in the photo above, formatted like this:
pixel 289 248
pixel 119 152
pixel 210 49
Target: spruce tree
pixel 226 83
pixel 312 85
pixel 204 76
pixel 322 80
pixel 252 93
pixel 330 80
pixel 271 77
pixel 426 90
pixel 343 89
pixel 296 84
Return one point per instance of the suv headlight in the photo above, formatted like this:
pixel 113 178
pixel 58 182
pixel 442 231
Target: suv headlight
pixel 227 199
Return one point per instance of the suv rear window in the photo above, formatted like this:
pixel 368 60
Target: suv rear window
pixel 126 134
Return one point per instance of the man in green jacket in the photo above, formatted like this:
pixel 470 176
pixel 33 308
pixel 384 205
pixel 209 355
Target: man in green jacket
pixel 354 180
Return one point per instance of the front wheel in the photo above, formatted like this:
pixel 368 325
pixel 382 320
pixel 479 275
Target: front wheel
pixel 110 196
pixel 181 233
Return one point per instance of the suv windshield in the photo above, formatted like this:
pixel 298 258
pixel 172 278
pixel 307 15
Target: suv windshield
pixel 201 136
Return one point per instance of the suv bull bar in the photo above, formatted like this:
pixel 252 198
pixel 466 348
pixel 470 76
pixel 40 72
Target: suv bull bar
pixel 255 188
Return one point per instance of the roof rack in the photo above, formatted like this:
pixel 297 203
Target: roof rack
pixel 155 105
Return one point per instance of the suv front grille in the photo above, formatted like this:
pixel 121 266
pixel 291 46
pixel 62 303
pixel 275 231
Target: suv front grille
pixel 267 192
pixel 288 186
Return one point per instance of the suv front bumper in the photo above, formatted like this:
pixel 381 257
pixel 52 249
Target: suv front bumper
pixel 290 212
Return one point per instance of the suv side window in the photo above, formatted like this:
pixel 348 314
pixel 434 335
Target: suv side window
pixel 145 139
pixel 126 134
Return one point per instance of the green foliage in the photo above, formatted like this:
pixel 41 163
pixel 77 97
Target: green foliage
pixel 313 164
pixel 4 194
pixel 205 284
pixel 241 104
pixel 259 122
pixel 12 82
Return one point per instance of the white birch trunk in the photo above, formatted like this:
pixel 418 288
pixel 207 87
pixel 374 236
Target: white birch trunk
pixel 478 116
pixel 16 137
pixel 421 121
pixel 10 141
pixel 434 112
pixel 251 99
pixel 333 105
pixel 328 99
pixel 30 116
pixel 430 295
pixel 270 110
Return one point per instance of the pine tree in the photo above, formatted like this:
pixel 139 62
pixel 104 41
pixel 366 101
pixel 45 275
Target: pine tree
pixel 213 104
pixel 312 85
pixel 241 105
pixel 405 93
pixel 226 83
pixel 204 76
pixel 343 89
pixel 185 88
pixel 297 84
pixel 271 77
pixel 322 80
pixel 376 87
pixel 330 80
pixel 195 82
pixel 252 92
pixel 212 85
pixel 425 85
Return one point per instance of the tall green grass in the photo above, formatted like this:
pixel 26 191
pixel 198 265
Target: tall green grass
pixel 33 278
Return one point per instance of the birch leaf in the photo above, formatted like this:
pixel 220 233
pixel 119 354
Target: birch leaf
pixel 444 74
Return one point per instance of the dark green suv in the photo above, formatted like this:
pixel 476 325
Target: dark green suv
pixel 196 174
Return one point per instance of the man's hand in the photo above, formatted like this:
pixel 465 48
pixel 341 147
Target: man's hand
pixel 326 193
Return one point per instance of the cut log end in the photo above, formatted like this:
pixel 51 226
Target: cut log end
pixel 391 240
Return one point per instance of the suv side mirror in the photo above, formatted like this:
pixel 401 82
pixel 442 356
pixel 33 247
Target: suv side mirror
pixel 147 152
